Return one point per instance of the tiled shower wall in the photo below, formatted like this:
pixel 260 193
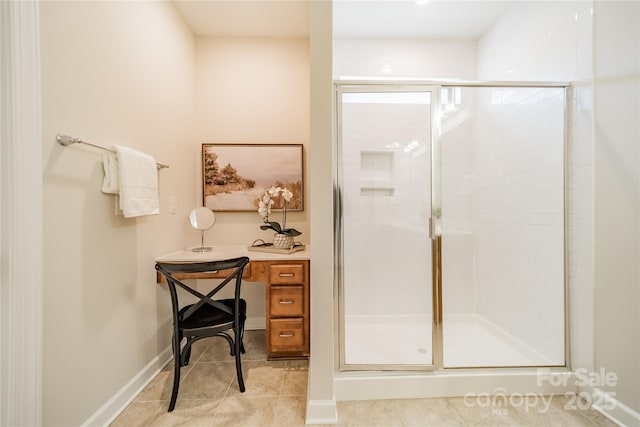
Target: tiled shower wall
pixel 517 215
pixel 552 41
pixel 457 139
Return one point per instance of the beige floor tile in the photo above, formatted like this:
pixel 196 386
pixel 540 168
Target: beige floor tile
pixel 160 387
pixel 561 411
pixel 595 418
pixel 246 412
pixel 217 350
pixel 486 412
pixel 297 364
pixel 576 406
pixel 138 414
pixel 517 410
pixel 294 383
pixel 192 413
pixel 290 411
pixel 427 412
pixel 198 348
pixel 207 381
pixel 261 379
pixel 547 410
pixel 255 344
pixel 368 413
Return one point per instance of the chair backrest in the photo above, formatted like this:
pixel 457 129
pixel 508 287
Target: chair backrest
pixel 235 267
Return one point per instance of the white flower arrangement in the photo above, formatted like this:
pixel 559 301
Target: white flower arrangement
pixel 264 209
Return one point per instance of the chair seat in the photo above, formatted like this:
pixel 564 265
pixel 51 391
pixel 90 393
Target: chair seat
pixel 208 315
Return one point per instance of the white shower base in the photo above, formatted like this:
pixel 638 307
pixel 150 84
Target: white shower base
pixel 472 341
pixel 400 340
pixel 468 341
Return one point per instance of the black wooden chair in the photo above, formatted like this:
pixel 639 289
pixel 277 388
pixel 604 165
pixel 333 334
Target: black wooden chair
pixel 207 317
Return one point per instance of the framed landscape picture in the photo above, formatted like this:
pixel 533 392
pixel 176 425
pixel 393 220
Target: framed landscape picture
pixel 235 176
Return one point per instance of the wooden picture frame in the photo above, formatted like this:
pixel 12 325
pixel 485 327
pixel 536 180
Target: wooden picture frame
pixel 235 176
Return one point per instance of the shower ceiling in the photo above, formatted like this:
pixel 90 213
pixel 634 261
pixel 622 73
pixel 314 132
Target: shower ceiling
pixel 448 19
pixel 435 19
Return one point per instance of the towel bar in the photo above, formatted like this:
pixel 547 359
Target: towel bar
pixel 66 140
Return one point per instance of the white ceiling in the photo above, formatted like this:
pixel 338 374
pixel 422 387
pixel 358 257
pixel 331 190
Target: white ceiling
pixel 246 18
pixel 352 18
pixel 449 19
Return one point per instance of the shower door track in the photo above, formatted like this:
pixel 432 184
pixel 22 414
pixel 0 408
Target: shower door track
pixel 434 222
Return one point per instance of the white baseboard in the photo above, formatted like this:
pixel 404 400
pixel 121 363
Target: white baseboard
pixel 613 409
pixel 322 412
pixel 254 323
pixel 114 406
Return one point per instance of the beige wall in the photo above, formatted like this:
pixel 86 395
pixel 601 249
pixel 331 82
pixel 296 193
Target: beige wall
pixel 112 73
pixel 253 91
pixel 617 197
pixel 321 406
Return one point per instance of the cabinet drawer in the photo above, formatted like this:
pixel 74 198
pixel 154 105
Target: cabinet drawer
pixel 284 274
pixel 286 335
pixel 222 274
pixel 287 301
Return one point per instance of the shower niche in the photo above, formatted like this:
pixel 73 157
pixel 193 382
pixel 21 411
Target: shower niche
pixel 376 173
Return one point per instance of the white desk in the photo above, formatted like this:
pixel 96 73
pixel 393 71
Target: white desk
pixel 286 277
pixel 232 251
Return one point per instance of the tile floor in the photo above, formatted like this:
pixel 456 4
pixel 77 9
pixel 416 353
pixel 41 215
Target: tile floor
pixel 276 397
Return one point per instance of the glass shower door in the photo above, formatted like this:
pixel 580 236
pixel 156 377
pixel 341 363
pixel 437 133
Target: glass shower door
pixel 451 226
pixel 503 291
pixel 385 251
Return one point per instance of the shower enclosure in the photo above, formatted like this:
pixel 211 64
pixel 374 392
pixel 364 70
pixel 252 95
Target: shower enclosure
pixel 450 226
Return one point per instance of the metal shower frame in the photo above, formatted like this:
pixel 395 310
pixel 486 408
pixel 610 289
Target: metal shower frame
pixel 434 87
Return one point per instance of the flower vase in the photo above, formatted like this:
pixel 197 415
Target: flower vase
pixel 282 241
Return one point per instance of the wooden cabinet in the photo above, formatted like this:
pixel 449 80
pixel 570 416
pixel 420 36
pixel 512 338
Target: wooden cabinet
pixel 288 309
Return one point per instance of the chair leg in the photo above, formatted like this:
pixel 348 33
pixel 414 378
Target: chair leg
pixel 176 382
pixel 176 375
pixel 238 349
pixel 242 337
pixel 187 355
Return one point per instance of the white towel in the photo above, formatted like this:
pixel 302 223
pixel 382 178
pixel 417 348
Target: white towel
pixel 138 177
pixel 111 182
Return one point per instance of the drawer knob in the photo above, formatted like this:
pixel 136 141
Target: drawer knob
pixel 286 334
pixel 285 301
pixel 286 274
